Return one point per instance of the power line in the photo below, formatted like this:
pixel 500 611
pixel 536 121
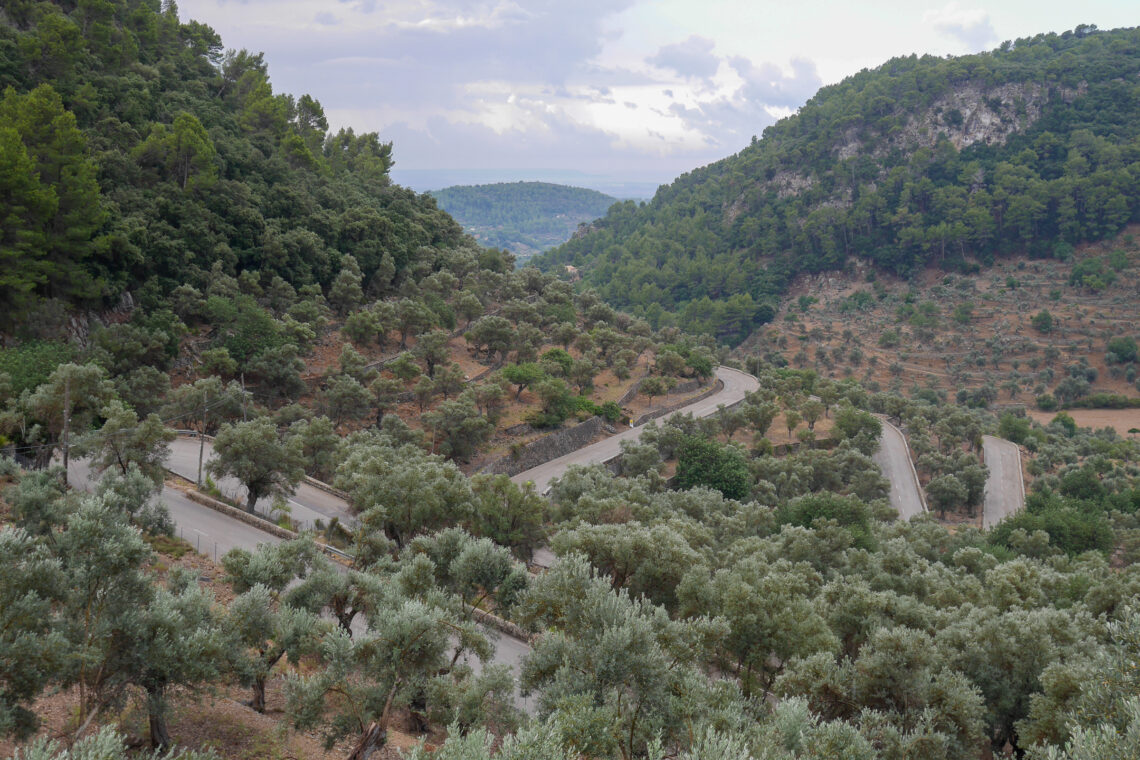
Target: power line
pixel 94 434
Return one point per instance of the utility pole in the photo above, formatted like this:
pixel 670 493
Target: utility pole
pixel 66 424
pixel 202 438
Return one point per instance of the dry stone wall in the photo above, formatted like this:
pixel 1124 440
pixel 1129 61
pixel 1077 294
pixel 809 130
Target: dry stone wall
pixel 557 444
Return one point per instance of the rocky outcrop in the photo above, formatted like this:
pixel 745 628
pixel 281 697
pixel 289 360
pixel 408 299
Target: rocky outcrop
pixel 966 115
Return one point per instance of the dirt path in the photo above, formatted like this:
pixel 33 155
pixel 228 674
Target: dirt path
pixel 1005 486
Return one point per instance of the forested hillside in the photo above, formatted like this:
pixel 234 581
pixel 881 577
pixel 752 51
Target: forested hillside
pixel 523 217
pixel 739 588
pixel 138 154
pixel 924 161
pixel 173 228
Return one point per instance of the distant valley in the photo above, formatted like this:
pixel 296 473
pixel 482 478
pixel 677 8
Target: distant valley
pixel 525 218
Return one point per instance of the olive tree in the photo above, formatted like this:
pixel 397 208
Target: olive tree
pixel 255 454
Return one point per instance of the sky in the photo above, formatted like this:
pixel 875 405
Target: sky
pixel 629 90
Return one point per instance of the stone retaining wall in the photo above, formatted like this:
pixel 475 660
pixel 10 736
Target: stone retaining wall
pixel 503 626
pixel 320 485
pixel 557 444
pixel 630 394
pixel 656 413
pixel 242 515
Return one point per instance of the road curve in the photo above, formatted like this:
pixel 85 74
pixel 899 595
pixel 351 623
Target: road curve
pixel 737 384
pixel 208 531
pixel 212 531
pixel 307 504
pixel 1005 485
pixel 893 458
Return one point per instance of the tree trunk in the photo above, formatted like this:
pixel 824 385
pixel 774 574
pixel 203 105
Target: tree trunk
pixel 156 714
pixel 372 741
pixel 257 701
pixel 251 498
pixel 344 620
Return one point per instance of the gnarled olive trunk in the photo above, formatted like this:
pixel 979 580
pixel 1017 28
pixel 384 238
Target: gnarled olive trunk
pixel 156 716
pixel 371 742
pixel 257 701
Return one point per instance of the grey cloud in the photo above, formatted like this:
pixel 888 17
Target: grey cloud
pixel 364 6
pixel 976 34
pixel 726 124
pixel 692 58
pixel 766 84
pixel 324 18
pixel 548 46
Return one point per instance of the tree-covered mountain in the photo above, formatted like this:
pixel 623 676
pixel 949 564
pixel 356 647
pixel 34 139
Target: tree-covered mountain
pixel 923 161
pixel 523 217
pixel 137 153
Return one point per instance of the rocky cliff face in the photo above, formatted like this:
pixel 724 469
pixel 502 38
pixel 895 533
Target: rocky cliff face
pixel 967 115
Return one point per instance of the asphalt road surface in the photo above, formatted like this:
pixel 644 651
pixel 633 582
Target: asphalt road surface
pixel 736 385
pixel 893 458
pixel 1005 485
pixel 210 532
pixel 307 504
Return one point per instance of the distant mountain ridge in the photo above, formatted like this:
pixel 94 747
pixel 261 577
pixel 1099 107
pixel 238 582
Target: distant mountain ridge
pixel 624 184
pixel 922 161
pixel 522 217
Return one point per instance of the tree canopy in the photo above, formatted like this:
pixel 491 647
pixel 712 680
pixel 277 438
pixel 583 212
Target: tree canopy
pixel 922 161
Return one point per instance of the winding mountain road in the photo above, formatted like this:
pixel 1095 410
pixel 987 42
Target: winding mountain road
pixel 1005 485
pixel 214 533
pixel 737 385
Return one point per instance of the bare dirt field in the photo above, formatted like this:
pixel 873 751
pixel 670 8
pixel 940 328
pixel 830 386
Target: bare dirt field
pixel 1120 420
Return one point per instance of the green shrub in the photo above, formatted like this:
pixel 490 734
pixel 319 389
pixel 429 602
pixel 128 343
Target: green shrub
pixel 1070 529
pixel 1014 428
pixel 701 462
pixel 29 364
pixel 847 511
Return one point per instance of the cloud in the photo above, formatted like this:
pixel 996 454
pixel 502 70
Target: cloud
pixel 692 58
pixel 362 6
pixel 971 27
pixel 514 83
pixel 768 85
pixel 726 125
pixel 445 142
